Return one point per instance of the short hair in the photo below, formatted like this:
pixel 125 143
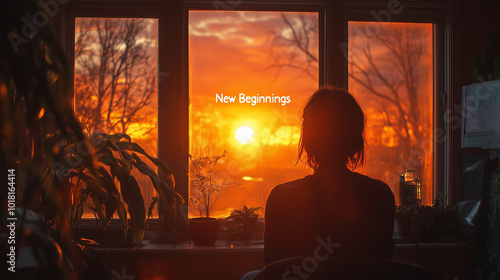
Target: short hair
pixel 333 127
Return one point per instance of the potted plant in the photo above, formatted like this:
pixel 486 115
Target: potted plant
pixel 35 99
pixel 206 188
pixel 423 223
pixel 414 222
pixel 115 156
pixel 244 222
pixel 445 222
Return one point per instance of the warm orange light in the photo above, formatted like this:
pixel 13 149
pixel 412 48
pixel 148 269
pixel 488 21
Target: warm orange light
pixel 248 178
pixel 42 112
pixel 3 90
pixel 244 135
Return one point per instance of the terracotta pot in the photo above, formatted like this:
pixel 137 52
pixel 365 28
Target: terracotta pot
pixel 204 231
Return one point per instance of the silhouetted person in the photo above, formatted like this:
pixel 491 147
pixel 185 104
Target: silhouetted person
pixel 334 213
pixel 335 204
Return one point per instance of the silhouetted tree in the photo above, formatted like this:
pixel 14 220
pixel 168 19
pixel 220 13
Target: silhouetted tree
pixel 294 43
pixel 115 74
pixel 394 78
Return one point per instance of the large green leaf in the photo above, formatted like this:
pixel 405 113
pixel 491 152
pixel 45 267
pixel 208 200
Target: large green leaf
pixel 98 209
pixel 164 187
pixel 166 192
pixel 113 203
pixel 105 156
pixel 166 172
pixel 122 215
pixel 131 193
pixel 110 204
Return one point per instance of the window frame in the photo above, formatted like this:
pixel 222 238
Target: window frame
pixel 420 13
pixel 107 10
pixel 173 52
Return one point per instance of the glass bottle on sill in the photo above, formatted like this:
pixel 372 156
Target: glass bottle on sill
pixel 410 188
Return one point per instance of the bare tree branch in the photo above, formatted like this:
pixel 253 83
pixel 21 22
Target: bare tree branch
pixel 392 77
pixel 115 79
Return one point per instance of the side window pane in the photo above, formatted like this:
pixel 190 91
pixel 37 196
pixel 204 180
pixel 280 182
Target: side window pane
pixel 391 74
pixel 116 82
pixel 269 58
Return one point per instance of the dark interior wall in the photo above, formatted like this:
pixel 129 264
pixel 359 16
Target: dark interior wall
pixel 478 18
pixel 473 20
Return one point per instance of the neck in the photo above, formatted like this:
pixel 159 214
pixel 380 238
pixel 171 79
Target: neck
pixel 332 169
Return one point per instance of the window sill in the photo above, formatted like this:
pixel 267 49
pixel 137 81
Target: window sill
pixel 446 260
pixel 221 246
pixel 256 247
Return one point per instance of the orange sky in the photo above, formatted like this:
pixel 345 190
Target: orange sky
pixel 229 54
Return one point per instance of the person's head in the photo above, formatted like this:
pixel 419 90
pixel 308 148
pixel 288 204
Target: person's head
pixel 333 127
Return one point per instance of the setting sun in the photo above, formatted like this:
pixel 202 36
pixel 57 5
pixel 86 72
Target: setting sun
pixel 244 135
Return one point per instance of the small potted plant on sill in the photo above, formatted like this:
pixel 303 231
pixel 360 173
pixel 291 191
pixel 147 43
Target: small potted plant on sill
pixel 414 222
pixel 427 223
pixel 206 188
pixel 445 220
pixel 244 222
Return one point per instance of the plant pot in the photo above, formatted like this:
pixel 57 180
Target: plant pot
pixel 446 232
pixel 244 231
pixel 414 229
pixel 244 235
pixel 204 231
pixel 417 229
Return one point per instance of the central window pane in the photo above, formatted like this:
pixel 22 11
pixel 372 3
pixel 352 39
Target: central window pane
pixel 250 74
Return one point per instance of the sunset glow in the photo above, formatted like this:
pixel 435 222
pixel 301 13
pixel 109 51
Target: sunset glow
pixel 244 135
pixel 240 56
pixel 255 54
pixel 249 78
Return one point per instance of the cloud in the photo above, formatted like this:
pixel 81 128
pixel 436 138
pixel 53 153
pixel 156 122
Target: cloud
pixel 229 52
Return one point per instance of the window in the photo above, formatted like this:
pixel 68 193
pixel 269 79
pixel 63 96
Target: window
pixel 115 82
pixel 391 74
pixel 200 51
pixel 267 62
